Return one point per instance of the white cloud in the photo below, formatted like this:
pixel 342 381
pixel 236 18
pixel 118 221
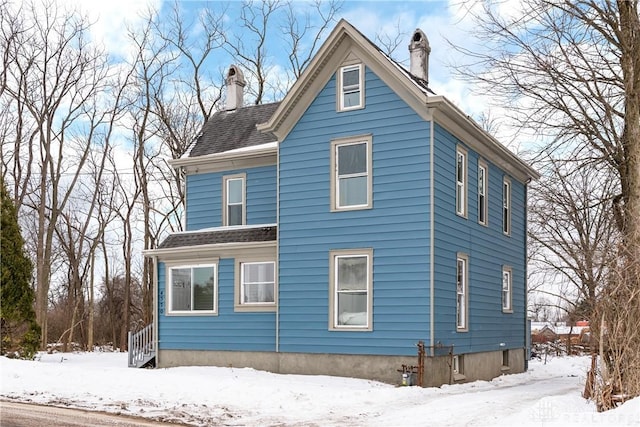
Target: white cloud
pixel 111 18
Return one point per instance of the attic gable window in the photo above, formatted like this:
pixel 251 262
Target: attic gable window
pixel 351 87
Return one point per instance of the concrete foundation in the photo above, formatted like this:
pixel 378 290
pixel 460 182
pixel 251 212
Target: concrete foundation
pixel 473 366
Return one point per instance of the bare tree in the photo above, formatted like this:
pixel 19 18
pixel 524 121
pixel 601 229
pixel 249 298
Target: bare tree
pixel 570 71
pixel 53 80
pixel 572 234
pixel 304 32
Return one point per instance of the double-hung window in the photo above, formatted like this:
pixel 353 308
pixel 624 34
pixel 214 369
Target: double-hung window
pixel 506 206
pixel 351 173
pixel 234 209
pixel 461 182
pixel 351 293
pixel 192 289
pixel 507 286
pixel 462 291
pixel 482 192
pixel 257 283
pixel 350 87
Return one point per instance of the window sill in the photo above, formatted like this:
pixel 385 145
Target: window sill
pixel 505 369
pixel 192 313
pixel 459 377
pixel 350 329
pixel 346 109
pixel 254 308
pixel 351 208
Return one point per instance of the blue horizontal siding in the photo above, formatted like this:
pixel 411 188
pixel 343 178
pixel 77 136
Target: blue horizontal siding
pixel 488 250
pixel 228 330
pixel 204 197
pixel 396 228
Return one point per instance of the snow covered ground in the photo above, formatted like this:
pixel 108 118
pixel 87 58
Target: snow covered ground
pixel 546 395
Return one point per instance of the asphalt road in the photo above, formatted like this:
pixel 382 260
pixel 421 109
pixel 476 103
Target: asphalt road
pixel 25 415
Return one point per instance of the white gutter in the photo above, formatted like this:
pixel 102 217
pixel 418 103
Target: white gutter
pixel 256 151
pixel 470 133
pixel 198 249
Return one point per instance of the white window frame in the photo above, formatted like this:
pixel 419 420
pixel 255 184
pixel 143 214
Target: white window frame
pixel 456 366
pixel 243 283
pixel 483 193
pixel 334 257
pixel 462 292
pixel 342 90
pixel 461 182
pixel 225 198
pixel 507 289
pixel 170 267
pixel 506 206
pixel 336 178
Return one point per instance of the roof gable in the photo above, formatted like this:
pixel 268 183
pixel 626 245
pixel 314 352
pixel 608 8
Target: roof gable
pixel 344 43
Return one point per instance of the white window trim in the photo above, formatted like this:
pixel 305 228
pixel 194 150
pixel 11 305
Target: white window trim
pixel 508 307
pixel 334 255
pixel 457 367
pixel 225 192
pixel 462 186
pixel 464 326
pixel 335 187
pixel 238 305
pixel 506 206
pixel 169 289
pixel 483 190
pixel 340 87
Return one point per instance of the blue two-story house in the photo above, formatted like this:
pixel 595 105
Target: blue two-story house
pixel 332 232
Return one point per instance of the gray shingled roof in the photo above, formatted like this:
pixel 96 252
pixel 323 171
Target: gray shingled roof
pixel 238 235
pixel 228 130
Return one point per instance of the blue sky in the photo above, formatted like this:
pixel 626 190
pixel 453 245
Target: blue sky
pixel 438 19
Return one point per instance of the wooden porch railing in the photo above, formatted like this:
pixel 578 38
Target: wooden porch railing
pixel 142 349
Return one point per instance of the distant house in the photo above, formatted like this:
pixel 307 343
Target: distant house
pixel 542 333
pixel 332 232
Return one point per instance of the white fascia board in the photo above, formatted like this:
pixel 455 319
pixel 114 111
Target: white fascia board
pixel 470 133
pixel 254 152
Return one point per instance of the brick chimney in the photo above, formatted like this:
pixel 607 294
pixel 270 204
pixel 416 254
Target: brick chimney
pixel 419 51
pixel 235 84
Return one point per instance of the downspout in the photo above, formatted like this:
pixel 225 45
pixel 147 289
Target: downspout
pixel 156 313
pixel 526 275
pixel 278 246
pixel 432 222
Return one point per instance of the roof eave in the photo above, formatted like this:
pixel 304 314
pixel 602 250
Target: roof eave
pixel 467 130
pixel 225 158
pixel 201 249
